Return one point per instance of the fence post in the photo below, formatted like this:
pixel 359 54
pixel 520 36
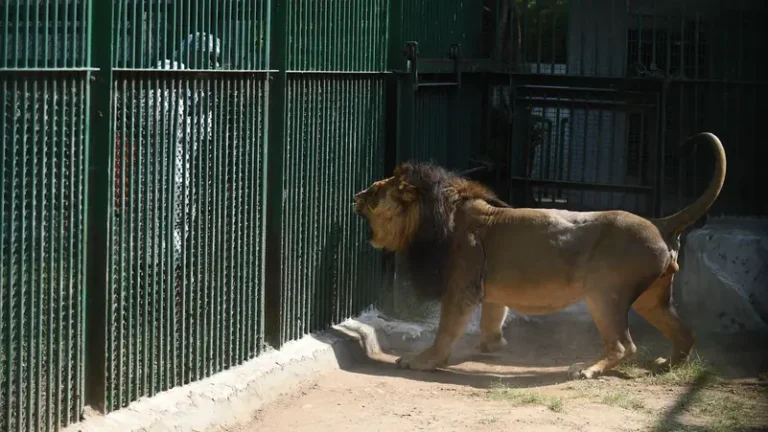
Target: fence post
pixel 100 151
pixel 277 90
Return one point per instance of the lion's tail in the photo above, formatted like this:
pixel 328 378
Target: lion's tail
pixel 681 220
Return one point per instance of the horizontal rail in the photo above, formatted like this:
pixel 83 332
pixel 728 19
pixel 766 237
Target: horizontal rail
pixel 584 185
pixel 17 71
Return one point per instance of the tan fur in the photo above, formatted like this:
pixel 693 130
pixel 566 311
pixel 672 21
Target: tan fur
pixel 539 261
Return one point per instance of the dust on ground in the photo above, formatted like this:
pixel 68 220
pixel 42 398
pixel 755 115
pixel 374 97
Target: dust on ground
pixel 524 388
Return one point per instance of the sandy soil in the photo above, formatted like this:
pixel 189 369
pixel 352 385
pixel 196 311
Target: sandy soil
pixel 524 388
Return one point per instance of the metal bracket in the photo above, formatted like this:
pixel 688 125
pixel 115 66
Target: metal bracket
pixel 411 54
pixel 454 53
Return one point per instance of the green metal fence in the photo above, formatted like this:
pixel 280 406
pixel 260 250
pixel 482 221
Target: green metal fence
pixel 200 157
pixel 336 57
pixel 185 229
pixel 43 177
pixel 196 108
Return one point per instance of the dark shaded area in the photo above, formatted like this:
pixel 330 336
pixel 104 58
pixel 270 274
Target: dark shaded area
pixel 559 344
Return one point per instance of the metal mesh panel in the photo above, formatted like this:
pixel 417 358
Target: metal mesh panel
pixel 710 51
pixel 185 267
pixel 336 35
pixel 334 148
pixel 43 122
pixel 587 150
pixel 436 24
pixel 448 127
pixel 191 34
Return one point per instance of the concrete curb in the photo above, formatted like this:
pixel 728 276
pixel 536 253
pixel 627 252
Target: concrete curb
pixel 232 396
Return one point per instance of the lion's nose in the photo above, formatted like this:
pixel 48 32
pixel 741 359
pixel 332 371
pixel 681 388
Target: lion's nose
pixel 358 196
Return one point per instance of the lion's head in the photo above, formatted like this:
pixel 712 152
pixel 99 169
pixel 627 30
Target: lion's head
pixel 413 212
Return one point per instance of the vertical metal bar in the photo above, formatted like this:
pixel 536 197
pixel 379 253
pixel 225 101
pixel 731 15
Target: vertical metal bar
pixel 208 229
pixel 613 40
pixel 661 152
pixel 274 170
pixel 394 32
pixel 153 158
pixel 554 37
pixel 182 272
pixel 174 115
pixel 217 238
pixel 226 232
pixel 6 65
pixel 323 129
pixel 72 141
pixel 571 141
pixel 539 37
pixel 596 53
pixel 682 164
pixel 11 262
pixel 148 243
pixel 242 207
pixel 612 148
pixel 35 310
pixel 585 141
pixel 229 241
pixel 20 365
pixel 85 102
pixel 193 231
pixel 251 251
pixel 5 282
pixel 741 46
pixel 640 30
pixel 654 64
pixel 582 38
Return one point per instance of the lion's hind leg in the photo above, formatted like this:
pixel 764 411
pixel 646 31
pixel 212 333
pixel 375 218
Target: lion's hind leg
pixel 491 320
pixel 655 305
pixel 610 316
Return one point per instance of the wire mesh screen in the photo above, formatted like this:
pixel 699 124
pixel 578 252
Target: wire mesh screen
pixel 185 261
pixel 437 24
pixel 709 51
pixel 337 35
pixel 588 150
pixel 334 147
pixel 43 121
pixel 448 129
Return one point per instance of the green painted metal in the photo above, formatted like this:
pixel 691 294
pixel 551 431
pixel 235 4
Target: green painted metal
pixel 44 77
pixel 436 24
pixel 185 237
pixel 334 146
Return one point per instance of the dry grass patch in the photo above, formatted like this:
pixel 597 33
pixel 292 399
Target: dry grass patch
pixel 514 396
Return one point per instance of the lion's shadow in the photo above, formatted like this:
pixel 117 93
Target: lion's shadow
pixel 521 368
pixel 539 354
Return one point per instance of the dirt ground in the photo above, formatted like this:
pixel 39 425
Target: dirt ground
pixel 524 388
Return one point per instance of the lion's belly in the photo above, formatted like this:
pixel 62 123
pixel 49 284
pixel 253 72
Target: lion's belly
pixel 534 291
pixel 535 299
pixel 542 273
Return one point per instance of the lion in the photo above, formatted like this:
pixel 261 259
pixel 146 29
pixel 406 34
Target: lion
pixel 464 246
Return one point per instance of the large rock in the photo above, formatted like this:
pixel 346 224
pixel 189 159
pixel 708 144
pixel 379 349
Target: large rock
pixel 722 285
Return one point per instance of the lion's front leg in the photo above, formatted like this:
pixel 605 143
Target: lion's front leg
pixel 455 312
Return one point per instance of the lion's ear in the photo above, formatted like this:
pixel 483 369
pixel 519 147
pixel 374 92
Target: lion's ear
pixel 402 171
pixel 406 191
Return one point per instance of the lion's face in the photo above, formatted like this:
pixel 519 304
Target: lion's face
pixel 392 211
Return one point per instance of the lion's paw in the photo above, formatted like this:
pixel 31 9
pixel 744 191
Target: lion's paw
pixel 579 371
pixel 661 365
pixel 416 362
pixel 493 346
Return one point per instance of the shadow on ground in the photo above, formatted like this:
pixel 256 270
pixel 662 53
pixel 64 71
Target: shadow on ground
pixel 539 353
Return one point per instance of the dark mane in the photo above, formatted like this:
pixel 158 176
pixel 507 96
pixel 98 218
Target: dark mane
pixel 440 192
